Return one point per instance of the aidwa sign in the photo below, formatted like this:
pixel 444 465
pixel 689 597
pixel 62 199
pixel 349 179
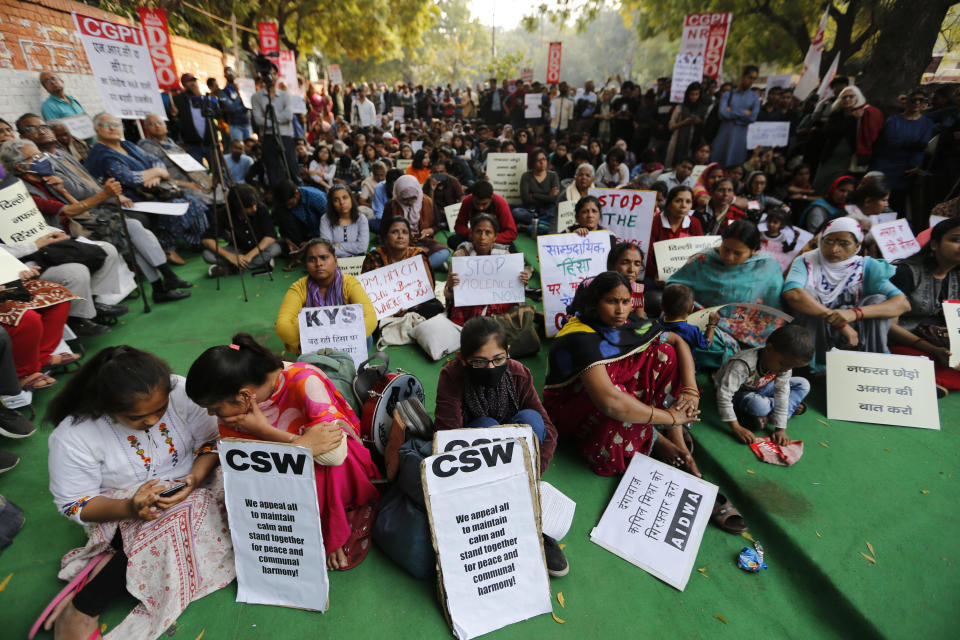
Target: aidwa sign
pixel 157 35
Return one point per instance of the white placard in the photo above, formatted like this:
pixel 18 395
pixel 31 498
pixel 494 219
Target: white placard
pixel 882 388
pixel 271 499
pixel 450 212
pixel 935 220
pixel 783 81
pixel 531 106
pixel 673 254
pixel 246 87
pixel 768 134
pixel 895 239
pixel 334 73
pixel 161 208
pixel 566 259
pixel 446 440
pixel 297 104
pixel 695 174
pixel 186 162
pixel 403 163
pixel 351 266
pixel 80 126
pixel 341 328
pixel 951 313
pixel 628 214
pixel 10 267
pixel 20 219
pixel 397 114
pixel 416 145
pixel 287 72
pixel 566 215
pixel 878 218
pixel 483 511
pixel 119 60
pixel 397 286
pixel 488 279
pixel 656 519
pixel 556 511
pixel 504 171
pixel 687 69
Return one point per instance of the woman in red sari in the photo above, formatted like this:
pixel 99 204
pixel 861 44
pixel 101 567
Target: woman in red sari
pixel 257 395
pixel 612 408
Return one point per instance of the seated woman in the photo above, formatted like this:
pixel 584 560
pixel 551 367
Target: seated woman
pixel 586 214
pixel 611 409
pixel 929 278
pixel 483 232
pixel 719 212
pixel 323 286
pixel 255 394
pixel 253 231
pixel 704 184
pixel 408 201
pixel 845 300
pixel 343 225
pixel 735 272
pixel 395 238
pixel 675 222
pixel 582 182
pixel 539 193
pixel 420 167
pixel 627 258
pixel 141 174
pixel 829 207
pixel 755 191
pixel 125 431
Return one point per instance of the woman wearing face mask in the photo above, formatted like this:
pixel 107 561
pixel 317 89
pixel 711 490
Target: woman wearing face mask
pixel 255 394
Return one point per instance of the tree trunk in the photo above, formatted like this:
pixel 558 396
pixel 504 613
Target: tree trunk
pixel 908 32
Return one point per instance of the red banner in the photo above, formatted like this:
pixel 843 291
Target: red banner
pixel 269 40
pixel 553 63
pixel 707 33
pixel 155 32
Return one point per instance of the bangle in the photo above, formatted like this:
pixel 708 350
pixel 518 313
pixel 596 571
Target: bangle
pixel 842 326
pixel 712 324
pixel 650 421
pixel 858 312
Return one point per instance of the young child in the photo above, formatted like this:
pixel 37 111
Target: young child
pixel 756 386
pixel 779 238
pixel 676 304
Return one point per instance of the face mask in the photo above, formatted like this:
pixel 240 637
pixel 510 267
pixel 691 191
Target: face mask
pixel 41 167
pixel 486 377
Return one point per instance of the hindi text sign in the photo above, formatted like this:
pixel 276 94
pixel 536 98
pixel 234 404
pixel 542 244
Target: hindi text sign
pixel 271 499
pixel 895 239
pixel 504 171
pixel 397 286
pixel 340 327
pixel 673 254
pixel 20 219
pixel 488 279
pixel 656 519
pixel 334 73
pixel 566 215
pixel 768 134
pixel 566 259
pixel 531 106
pixel 450 212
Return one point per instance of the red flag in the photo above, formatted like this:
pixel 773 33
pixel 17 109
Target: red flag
pixel 269 40
pixel 553 63
pixel 157 36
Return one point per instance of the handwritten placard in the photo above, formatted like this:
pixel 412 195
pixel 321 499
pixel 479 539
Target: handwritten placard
pixel 351 266
pixel 697 171
pixel 531 106
pixel 20 220
pixel 768 134
pixel 341 328
pixel 566 259
pixel 79 126
pixel 397 114
pixel 271 500
pixel 484 514
pixel 628 214
pixel 687 68
pixel 488 279
pixel 450 212
pixel 186 162
pixel 297 104
pixel 882 388
pixel 656 519
pixel 895 239
pixel 334 73
pixel 504 171
pixel 673 254
pixel 246 87
pixel 10 267
pixel 398 286
pixel 566 215
pixel 783 81
pixel 951 313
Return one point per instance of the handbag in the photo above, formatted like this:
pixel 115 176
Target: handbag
pixel 70 251
pixel 521 333
pixel 164 192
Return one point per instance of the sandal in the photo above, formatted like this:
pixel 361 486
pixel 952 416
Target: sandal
pixel 726 516
pixel 35 381
pixel 361 528
pixel 65 597
pixel 63 359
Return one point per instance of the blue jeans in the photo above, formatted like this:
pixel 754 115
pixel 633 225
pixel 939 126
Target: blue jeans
pixel 437 258
pixel 760 402
pixel 528 417
pixel 239 132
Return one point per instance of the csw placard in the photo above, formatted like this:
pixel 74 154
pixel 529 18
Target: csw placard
pixel 488 279
pixel 397 286
pixel 673 254
pixel 504 171
pixel 628 214
pixel 351 266
pixel 271 499
pixel 882 388
pixel 656 519
pixel 20 220
pixel 951 313
pixel 341 328
pixel 768 134
pixel 484 520
pixel 446 440
pixel 566 259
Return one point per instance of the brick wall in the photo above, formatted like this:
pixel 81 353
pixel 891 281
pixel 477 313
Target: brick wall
pixel 41 36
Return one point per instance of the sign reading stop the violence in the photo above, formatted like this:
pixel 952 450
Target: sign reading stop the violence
pixel 269 40
pixel 707 33
pixel 157 35
pixel 628 214
pixel 553 63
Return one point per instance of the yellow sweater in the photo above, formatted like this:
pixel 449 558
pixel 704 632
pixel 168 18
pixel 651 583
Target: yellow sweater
pixel 288 327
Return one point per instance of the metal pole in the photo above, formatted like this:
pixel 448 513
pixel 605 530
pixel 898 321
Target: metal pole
pixel 236 48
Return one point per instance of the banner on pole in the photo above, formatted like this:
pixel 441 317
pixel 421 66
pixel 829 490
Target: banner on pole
pixel 155 31
pixel 707 33
pixel 269 39
pixel 553 62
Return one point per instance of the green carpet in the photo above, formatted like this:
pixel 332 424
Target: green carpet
pixel 894 487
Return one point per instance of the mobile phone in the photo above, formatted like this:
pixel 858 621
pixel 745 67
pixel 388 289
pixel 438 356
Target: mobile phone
pixel 172 490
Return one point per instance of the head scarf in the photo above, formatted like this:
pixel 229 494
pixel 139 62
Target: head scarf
pixel 406 186
pixel 702 180
pixel 836 185
pixel 829 280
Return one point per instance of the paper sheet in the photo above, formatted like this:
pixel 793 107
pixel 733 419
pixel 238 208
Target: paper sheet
pixel 186 162
pixel 556 511
pixel 162 208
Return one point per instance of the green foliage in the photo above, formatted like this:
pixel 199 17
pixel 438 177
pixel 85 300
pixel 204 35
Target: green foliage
pixel 508 66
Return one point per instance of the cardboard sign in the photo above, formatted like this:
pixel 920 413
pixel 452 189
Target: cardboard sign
pixel 271 499
pixel 707 33
pixel 80 126
pixel 446 440
pixel 155 31
pixel 504 171
pixel 566 260
pixel 881 388
pixel 768 134
pixel 10 267
pixel 531 106
pixel 488 279
pixel 339 328
pixel 246 87
pixel 687 69
pixel 450 212
pixel 334 73
pixel 20 220
pixel 403 163
pixel 566 215
pixel 351 266
pixel 895 239
pixel 119 60
pixel 397 114
pixel 287 64
pixel 162 208
pixel 401 285
pixel 628 214
pixel 484 516
pixel 673 254
pixel 951 313
pixel 186 162
pixel 656 519
pixel 554 54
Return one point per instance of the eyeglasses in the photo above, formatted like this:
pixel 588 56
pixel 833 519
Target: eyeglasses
pixel 843 244
pixel 483 363
pixel 109 125
pixel 34 127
